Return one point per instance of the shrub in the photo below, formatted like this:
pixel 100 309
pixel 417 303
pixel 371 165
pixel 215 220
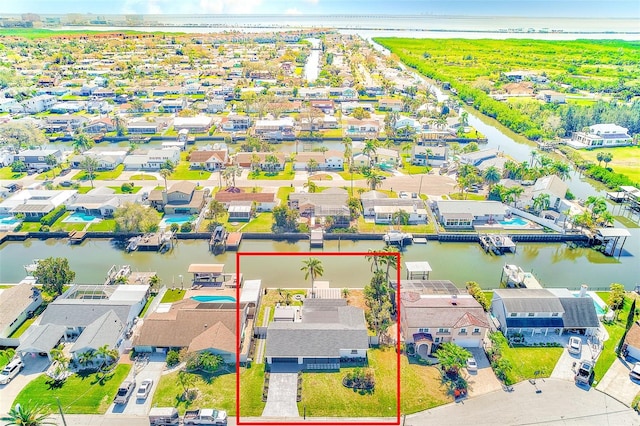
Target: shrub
pixel 54 215
pixel 44 228
pixel 127 187
pixel 186 227
pixel 174 227
pixel 173 358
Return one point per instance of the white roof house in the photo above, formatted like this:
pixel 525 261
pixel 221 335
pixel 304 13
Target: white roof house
pixel 31 202
pixel 601 135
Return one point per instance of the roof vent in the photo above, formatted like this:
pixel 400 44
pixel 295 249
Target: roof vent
pixel 454 299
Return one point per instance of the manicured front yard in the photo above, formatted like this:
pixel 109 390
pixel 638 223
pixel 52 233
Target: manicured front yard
pixel 283 193
pixel 183 172
pixel 105 175
pixel 421 387
pixel 173 295
pixel 251 385
pixel 286 174
pixel 615 330
pixel 118 190
pixel 7 173
pixel 214 390
pixel 90 394
pixel 527 361
pixel 143 177
pixel 370 227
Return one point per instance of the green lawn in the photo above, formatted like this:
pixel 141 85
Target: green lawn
pixel 370 227
pixel 23 327
pixel 6 173
pixel 526 361
pixel 183 172
pixel 346 175
pixel 467 196
pixel 615 330
pixel 272 297
pixel 5 356
pixel 625 159
pixel 421 387
pixel 90 394
pixel 324 395
pixel 143 177
pixel 214 390
pixel 118 189
pixel 286 174
pixel 146 306
pixel 251 385
pixel 106 175
pixel 283 193
pixel 261 223
pixel 105 225
pixel 173 295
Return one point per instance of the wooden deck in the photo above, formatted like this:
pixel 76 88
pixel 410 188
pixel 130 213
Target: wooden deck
pixel 76 237
pixel 233 240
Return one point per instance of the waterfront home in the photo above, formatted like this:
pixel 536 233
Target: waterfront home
pixel 475 158
pixel 37 158
pixel 468 213
pixel 632 341
pixel 10 105
pixel 107 160
pixel 236 123
pixel 428 320
pixel 17 303
pixel 264 201
pixel 348 107
pixel 282 128
pixel 181 198
pixel 543 311
pixel 554 187
pixel 104 313
pixel 100 125
pixel 327 106
pixel 384 157
pixel 152 159
pixel 329 331
pixel 64 122
pixel 35 204
pixel 193 326
pixel 407 126
pixel 551 97
pixel 38 104
pixel 331 202
pixel 101 202
pixel 198 124
pixel 428 155
pixel 601 136
pixel 327 160
pixel 208 160
pixel 390 104
pixel 245 159
pixel 215 105
pixel 378 206
pixel 149 125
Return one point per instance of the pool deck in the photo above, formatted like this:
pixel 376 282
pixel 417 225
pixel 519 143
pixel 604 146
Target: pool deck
pixel 210 291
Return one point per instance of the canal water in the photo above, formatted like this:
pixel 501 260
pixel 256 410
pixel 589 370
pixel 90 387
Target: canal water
pixel 555 265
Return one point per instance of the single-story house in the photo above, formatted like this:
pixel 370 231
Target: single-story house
pixel 152 159
pixel 107 160
pixel 264 201
pixel 245 159
pixel 275 129
pixel 432 319
pixel 208 160
pixel 601 136
pixel 35 204
pixel 17 303
pixel 37 158
pixel 468 213
pixel 197 124
pixel 101 202
pixel 331 202
pixel 476 157
pixel 328 160
pixel 543 311
pixel 328 332
pixel 194 326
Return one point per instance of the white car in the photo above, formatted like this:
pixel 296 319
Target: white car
pixel 635 371
pixel 575 345
pixel 144 389
pixel 472 365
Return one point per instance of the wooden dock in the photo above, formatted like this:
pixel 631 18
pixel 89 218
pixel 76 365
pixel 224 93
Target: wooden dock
pixel 76 237
pixel 497 244
pixel 233 240
pixel 157 241
pixel 316 238
pixel 217 242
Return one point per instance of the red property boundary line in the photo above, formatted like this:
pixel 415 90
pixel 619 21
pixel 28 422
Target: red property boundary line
pixel 316 254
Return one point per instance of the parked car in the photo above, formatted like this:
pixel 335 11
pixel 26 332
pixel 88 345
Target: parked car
pixel 66 183
pixel 404 195
pixel 10 371
pixel 161 416
pixel 144 389
pixel 472 365
pixel 205 416
pixel 575 345
pixel 635 371
pixel 124 392
pixel 584 373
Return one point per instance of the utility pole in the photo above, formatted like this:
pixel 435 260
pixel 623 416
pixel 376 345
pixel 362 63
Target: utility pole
pixel 420 187
pixel 64 422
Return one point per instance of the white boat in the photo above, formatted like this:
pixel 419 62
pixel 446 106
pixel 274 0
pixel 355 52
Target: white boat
pixel 394 236
pixel 31 268
pixel 514 276
pixel 133 243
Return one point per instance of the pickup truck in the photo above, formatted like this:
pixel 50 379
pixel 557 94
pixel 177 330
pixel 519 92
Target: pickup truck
pixel 585 370
pixel 205 416
pixel 124 392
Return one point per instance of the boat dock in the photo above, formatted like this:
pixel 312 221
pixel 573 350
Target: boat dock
pixel 76 237
pixel 157 241
pixel 514 276
pixel 118 275
pixel 217 242
pixel 393 236
pixel 497 244
pixel 233 240
pixel 316 238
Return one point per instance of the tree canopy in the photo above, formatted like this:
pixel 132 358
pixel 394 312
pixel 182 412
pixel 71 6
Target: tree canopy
pixel 131 217
pixel 54 273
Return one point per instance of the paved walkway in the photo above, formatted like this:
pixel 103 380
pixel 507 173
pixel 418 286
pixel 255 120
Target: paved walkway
pixel 548 402
pixel 617 383
pixel 281 399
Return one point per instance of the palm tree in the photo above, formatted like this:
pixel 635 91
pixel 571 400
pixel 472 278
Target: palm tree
pixel 28 415
pixel 492 176
pixel 347 142
pixel 312 165
pixel 90 165
pixel 311 186
pixel 165 173
pixel 514 193
pixel 230 173
pixel 216 209
pixel 428 153
pixel 607 158
pixel 313 268
pixel 406 147
pixel 82 142
pixel 370 148
pixel 541 201
pixel 600 157
pixel 108 355
pixel 86 358
pixel 374 180
pixel 464 118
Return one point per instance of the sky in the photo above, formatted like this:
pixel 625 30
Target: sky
pixel 525 8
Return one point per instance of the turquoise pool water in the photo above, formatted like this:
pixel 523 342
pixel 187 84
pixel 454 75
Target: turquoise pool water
pixel 79 217
pixel 515 221
pixel 224 299
pixel 177 219
pixel 8 220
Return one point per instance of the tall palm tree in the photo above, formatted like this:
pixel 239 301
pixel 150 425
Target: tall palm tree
pixel 82 142
pixel 347 143
pixel 370 148
pixel 313 268
pixel 165 173
pixel 541 201
pixel 230 173
pixel 492 176
pixel 311 186
pixel 374 180
pixel 28 415
pixel 90 165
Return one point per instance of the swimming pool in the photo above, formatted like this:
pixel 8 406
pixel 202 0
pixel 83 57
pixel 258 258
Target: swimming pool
pixel 177 219
pixel 224 299
pixel 515 221
pixel 9 220
pixel 79 217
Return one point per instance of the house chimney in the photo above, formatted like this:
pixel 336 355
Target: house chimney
pixel 454 299
pixel 583 290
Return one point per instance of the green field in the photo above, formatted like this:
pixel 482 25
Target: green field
pixel 90 394
pixel 626 159
pixel 6 173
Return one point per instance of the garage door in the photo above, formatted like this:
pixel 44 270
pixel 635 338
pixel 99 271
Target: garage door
pixel 468 343
pixel 284 360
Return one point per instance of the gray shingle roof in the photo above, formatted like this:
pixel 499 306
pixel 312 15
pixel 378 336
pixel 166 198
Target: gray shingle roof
pixel 579 312
pixel 529 300
pixel 42 338
pixel 81 313
pixel 13 301
pixel 103 331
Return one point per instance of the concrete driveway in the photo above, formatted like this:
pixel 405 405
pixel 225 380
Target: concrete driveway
pixel 152 370
pixel 33 367
pixel 484 380
pixel 565 368
pixel 281 399
pixel 617 383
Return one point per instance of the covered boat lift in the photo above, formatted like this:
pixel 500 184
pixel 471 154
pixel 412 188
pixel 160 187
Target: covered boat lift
pixel 610 238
